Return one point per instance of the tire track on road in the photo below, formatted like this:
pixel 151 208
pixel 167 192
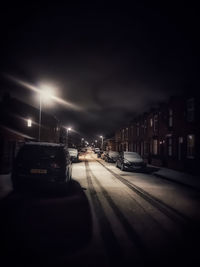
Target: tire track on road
pixel 112 247
pixel 169 211
pixel 128 228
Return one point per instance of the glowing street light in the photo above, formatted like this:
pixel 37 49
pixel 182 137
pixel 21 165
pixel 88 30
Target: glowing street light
pixel 68 130
pixel 101 136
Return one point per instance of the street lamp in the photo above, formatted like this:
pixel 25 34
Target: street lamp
pixel 68 130
pixel 45 94
pixel 95 143
pixel 82 142
pixel 101 136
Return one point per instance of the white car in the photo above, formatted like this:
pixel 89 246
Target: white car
pixel 73 152
pixel 96 150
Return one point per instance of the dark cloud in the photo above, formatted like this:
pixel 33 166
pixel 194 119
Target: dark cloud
pixel 111 61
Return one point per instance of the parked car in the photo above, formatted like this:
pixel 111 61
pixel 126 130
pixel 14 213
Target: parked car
pixel 130 161
pixel 96 150
pixel 39 163
pixel 111 156
pixel 73 152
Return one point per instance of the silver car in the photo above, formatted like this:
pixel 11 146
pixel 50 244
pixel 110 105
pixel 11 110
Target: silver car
pixel 130 161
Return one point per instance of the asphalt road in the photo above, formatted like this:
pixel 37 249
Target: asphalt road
pixel 106 218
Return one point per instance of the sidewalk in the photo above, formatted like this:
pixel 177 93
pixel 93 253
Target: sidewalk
pixel 176 176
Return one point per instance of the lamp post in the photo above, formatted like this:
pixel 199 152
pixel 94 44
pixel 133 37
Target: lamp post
pixel 95 143
pixel 46 94
pixel 101 136
pixel 68 130
pixel 40 117
pixel 82 142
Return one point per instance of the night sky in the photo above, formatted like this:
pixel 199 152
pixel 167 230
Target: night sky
pixel 112 61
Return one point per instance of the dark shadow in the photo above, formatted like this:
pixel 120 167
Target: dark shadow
pixel 38 227
pixel 151 169
pixel 146 170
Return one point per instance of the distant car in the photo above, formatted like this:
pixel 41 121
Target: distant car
pixel 111 156
pixel 73 152
pixel 96 150
pixel 39 163
pixel 130 161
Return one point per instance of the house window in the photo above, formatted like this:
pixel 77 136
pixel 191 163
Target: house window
pixel 123 135
pixel 155 147
pixel 29 123
pixel 190 110
pixel 190 146
pixel 170 117
pixel 146 148
pixel 170 146
pixel 131 131
pixel 126 132
pixel 138 129
pixel 145 126
pixel 135 147
pixel 151 122
pixel 155 126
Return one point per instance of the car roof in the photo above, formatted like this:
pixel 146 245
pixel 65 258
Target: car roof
pixel 131 152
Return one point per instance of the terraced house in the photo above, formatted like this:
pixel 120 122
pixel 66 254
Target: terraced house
pixel 167 136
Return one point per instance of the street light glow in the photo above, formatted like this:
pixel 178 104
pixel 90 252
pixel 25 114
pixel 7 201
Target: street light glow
pixel 65 103
pixel 46 93
pixel 29 122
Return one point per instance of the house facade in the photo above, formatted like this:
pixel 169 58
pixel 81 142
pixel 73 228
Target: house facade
pixel 18 124
pixel 166 136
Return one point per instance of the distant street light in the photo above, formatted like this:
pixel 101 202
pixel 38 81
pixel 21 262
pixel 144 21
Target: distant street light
pixel 45 94
pixel 68 130
pixel 82 142
pixel 101 136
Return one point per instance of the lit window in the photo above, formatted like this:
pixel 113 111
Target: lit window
pixel 155 147
pixel 151 122
pixel 29 122
pixel 190 146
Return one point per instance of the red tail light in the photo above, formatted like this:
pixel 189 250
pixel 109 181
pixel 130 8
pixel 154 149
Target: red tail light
pixel 55 165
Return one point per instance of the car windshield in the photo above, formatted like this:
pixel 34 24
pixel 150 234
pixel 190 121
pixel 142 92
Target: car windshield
pixel 39 153
pixel 72 149
pixel 131 155
pixel 114 153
